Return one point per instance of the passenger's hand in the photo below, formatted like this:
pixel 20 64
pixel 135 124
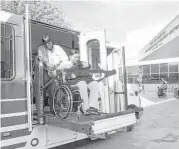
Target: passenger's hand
pixel 51 67
pixel 98 76
pixel 73 76
pixel 52 73
pixel 85 65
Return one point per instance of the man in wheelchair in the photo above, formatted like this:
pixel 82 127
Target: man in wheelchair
pixel 162 90
pixel 55 59
pixel 90 89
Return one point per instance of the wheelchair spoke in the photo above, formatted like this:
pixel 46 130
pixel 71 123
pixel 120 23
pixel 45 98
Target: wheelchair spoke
pixel 62 102
pixel 65 100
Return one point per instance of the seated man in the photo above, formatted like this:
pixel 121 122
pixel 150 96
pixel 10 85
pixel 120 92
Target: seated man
pixel 96 88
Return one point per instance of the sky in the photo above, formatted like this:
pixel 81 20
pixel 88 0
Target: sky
pixel 121 20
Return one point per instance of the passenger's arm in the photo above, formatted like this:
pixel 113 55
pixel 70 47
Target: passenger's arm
pixel 84 65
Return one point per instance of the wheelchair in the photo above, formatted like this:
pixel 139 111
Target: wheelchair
pixel 66 98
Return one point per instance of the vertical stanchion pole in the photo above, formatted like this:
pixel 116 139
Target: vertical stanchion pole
pixel 114 82
pixel 124 79
pixel 28 75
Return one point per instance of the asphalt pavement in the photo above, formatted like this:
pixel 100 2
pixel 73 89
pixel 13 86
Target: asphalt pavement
pixel 157 129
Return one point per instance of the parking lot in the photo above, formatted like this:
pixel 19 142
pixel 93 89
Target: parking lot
pixel 158 128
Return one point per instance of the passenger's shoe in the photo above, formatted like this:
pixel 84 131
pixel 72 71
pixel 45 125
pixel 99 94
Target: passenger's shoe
pixel 92 111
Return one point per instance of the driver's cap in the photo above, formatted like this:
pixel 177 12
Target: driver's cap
pixel 46 39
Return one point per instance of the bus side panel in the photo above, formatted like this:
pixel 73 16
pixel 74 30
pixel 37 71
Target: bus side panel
pixel 14 115
pixel 13 90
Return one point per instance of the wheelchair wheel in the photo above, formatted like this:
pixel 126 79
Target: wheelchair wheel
pixel 63 102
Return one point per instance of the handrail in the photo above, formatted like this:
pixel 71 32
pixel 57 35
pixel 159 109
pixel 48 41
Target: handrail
pixel 28 75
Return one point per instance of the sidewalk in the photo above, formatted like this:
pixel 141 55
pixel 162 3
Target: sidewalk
pixel 152 96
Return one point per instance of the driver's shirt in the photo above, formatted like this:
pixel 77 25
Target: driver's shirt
pixel 53 57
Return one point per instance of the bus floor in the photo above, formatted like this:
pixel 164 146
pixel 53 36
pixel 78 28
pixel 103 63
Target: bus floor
pixel 157 129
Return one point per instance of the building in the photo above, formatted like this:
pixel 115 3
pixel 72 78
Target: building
pixel 160 57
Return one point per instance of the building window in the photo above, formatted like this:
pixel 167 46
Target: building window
pixel 164 71
pixel 173 73
pixel 155 78
pixel 173 68
pixel 154 68
pixel 164 76
pixel 132 79
pixel 164 68
pixel 146 69
pixel 173 78
pixel 7 52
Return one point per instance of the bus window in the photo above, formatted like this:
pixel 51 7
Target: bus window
pixel 94 53
pixel 7 52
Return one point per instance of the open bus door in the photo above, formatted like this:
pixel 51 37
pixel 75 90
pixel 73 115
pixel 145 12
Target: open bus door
pixel 93 51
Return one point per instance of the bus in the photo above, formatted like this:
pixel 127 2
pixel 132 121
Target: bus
pixel 25 121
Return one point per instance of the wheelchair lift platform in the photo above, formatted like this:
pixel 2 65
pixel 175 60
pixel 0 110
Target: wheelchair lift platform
pixel 93 125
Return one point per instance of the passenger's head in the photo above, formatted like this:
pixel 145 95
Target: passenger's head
pixel 47 42
pixel 75 56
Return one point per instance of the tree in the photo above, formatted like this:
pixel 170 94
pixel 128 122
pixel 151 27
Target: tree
pixel 40 10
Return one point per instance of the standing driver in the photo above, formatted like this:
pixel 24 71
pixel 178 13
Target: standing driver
pixel 54 58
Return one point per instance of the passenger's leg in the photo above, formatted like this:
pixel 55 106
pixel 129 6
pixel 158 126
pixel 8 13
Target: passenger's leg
pixel 102 95
pixel 84 94
pixel 93 97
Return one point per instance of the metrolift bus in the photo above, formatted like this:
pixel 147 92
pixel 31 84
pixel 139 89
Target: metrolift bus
pixel 25 120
